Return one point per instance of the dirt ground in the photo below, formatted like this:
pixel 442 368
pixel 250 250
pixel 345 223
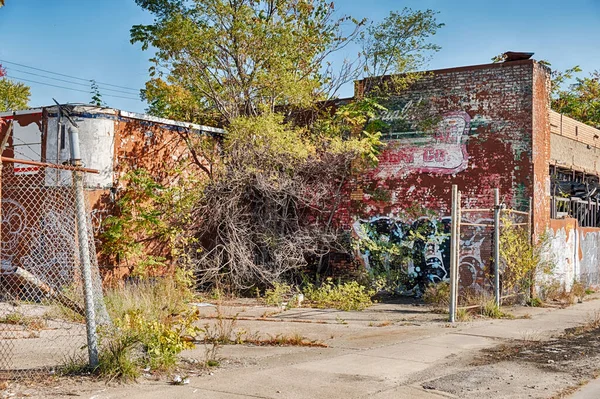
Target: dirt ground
pixel 541 353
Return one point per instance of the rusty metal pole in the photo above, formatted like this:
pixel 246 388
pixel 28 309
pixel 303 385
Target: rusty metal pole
pixel 2 148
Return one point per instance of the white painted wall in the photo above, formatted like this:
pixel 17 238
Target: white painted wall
pixel 97 143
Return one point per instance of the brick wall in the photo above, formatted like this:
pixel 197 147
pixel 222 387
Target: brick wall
pixel 489 128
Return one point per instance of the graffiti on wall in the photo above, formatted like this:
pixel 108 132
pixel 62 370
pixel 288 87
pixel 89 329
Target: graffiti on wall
pixel 41 241
pixel 420 250
pixel 442 151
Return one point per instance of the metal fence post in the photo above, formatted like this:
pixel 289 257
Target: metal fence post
pixel 531 243
pixel 84 251
pixel 454 244
pixel 497 245
pixel 2 148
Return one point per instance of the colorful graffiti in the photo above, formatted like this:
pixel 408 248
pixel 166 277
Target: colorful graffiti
pixel 443 151
pixel 421 251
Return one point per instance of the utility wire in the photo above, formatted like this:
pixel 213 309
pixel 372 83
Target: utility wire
pixel 67 76
pixel 69 88
pixel 68 81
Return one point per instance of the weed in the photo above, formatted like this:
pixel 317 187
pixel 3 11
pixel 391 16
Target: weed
pixel 589 291
pixel 347 296
pixel 294 339
pixel 277 295
pixel 268 314
pixel 493 311
pixel 222 330
pixel 437 295
pixel 61 312
pixel 535 302
pixel 522 259
pixel 31 323
pixel 340 320
pixel 117 359
pixel 152 324
pixel 578 290
pixel 463 315
pixel 384 324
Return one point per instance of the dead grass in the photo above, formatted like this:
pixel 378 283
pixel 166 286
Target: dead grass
pixel 294 339
pixel 30 323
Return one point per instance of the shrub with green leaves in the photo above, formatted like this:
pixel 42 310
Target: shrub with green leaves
pixel 153 323
pixel 278 294
pixel 346 296
pixel 437 295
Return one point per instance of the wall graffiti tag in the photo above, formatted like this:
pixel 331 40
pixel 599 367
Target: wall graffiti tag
pixel 421 249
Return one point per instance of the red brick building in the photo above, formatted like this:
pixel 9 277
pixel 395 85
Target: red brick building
pixel 490 127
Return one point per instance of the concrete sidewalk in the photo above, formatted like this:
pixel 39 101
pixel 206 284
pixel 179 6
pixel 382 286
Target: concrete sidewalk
pixel 375 363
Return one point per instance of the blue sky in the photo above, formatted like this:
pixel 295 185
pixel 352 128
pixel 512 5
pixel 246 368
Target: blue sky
pixel 90 39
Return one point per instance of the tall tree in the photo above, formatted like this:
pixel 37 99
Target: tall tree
pixel 581 100
pixel 227 58
pixel 13 95
pixel 261 69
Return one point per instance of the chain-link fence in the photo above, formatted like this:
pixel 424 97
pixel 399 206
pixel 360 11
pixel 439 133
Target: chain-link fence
pixel 488 249
pixel 42 311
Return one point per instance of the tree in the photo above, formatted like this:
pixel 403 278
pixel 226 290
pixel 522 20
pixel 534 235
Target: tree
pixel 398 45
pixel 581 100
pixel 261 69
pixel 241 57
pixel 13 95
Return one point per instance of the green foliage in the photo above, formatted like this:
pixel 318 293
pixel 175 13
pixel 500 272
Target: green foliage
pixel 535 302
pixel 346 296
pixel 581 100
pixel 463 315
pixel 278 294
pixel 258 68
pixel 96 95
pixel 117 359
pixel 239 58
pixel 522 260
pixel 162 339
pixel 152 324
pixel 13 95
pixel 493 311
pixel 399 45
pixel 437 295
pixel 147 211
pixel 278 145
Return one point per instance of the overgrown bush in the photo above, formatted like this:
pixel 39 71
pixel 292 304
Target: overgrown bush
pixel 153 323
pixel 522 261
pixel 346 296
pixel 277 295
pixel 437 295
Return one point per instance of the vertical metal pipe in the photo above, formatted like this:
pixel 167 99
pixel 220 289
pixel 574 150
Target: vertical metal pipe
pixel 497 245
pixel 457 252
pixel 2 148
pixel 530 237
pixel 453 251
pixel 84 251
